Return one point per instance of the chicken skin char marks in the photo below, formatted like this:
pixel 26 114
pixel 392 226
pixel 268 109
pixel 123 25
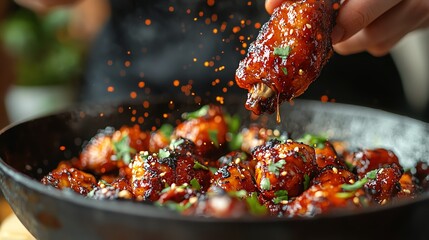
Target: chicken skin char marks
pixel 209 174
pixel 288 54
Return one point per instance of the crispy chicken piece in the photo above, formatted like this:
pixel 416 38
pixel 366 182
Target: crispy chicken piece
pixel 385 185
pixel 234 177
pixel 371 159
pixel 288 54
pixel 65 177
pixel 111 150
pixel 283 166
pixel 207 128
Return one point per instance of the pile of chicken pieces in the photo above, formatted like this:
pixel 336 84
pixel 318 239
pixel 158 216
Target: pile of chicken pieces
pixel 206 166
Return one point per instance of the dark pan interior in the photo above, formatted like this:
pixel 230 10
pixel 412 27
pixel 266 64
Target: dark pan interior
pixel 31 149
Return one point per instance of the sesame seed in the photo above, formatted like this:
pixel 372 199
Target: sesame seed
pixel 125 194
pixel 282 155
pixel 162 174
pixel 284 173
pixel 300 72
pixel 335 170
pixel 319 194
pixel 381 170
pixel 383 202
pixel 296 149
pixel 407 191
pixel 351 181
pixel 356 200
pixel 289 141
pixel 290 32
pixel 284 202
pixel 237 160
pixel 308 25
pixel 193 200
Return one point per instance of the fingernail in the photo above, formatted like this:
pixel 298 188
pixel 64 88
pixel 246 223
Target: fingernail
pixel 337 34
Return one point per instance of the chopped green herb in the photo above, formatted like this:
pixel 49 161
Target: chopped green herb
pixel 255 207
pixel 284 70
pixel 238 194
pixel 213 137
pixel 236 142
pixel 174 144
pixel 275 167
pixel 179 207
pixel 306 181
pixel 282 52
pixel 313 140
pixel 123 150
pixel 372 174
pixel 213 169
pixel 344 194
pixel 355 186
pixel 195 184
pixel 198 165
pixel 281 195
pixel 166 129
pixel 350 166
pixel 233 122
pixel 163 153
pixel 199 113
pixel 265 184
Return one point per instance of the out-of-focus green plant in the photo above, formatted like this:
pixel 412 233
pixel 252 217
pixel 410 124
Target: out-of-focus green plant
pixel 44 51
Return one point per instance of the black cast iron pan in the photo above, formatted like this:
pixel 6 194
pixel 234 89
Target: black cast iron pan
pixel 31 149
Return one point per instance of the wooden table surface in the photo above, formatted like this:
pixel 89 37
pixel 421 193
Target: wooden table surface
pixel 11 228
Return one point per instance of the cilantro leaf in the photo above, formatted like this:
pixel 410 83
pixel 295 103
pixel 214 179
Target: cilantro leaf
pixel 198 165
pixel 306 181
pixel 284 70
pixel 195 184
pixel 313 140
pixel 166 129
pixel 281 195
pixel 275 167
pixel 265 184
pixel 213 137
pixel 198 113
pixel 254 206
pixel 163 153
pixel 123 150
pixel 282 52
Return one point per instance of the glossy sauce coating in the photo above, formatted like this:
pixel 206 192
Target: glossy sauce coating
pixel 272 175
pixel 288 54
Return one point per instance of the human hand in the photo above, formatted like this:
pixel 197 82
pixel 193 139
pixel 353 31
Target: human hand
pixel 43 5
pixel 372 25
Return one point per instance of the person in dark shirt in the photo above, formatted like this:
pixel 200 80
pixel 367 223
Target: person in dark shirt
pixel 192 47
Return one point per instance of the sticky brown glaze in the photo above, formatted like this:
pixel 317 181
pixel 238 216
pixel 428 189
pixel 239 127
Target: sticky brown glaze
pixel 202 129
pixel 323 198
pixel 234 177
pixel 158 140
pixel 334 176
pixel 178 194
pixel 327 155
pixel 118 189
pixel 256 135
pixel 64 177
pixel 149 177
pixel 218 203
pixel 283 166
pixel 409 186
pixel 386 184
pixel 102 154
pixel 371 159
pixel 244 160
pixel 303 26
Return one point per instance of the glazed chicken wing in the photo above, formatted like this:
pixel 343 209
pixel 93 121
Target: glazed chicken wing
pixel 288 54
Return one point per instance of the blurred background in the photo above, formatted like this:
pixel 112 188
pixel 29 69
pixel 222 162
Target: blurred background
pixel 47 58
